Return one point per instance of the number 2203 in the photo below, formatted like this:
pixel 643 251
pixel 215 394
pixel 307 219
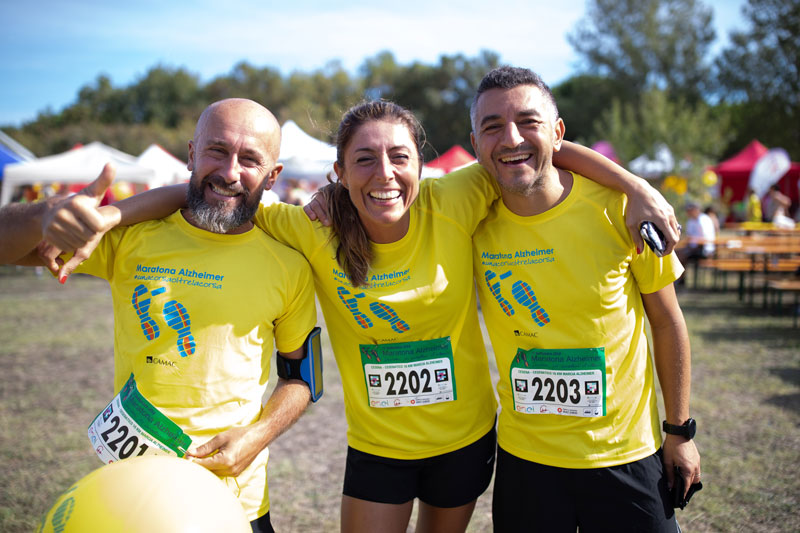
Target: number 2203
pixel 128 446
pixel 559 387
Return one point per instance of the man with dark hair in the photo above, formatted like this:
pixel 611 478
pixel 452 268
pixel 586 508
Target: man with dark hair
pixel 564 292
pixel 200 299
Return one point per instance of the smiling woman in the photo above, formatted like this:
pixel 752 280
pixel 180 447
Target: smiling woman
pixel 403 323
pixel 382 178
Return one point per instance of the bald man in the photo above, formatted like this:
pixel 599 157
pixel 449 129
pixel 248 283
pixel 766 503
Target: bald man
pixel 200 298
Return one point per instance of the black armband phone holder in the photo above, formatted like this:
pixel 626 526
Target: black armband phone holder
pixel 307 369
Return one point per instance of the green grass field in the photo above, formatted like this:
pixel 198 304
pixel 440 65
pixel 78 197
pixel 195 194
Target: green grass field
pixel 56 347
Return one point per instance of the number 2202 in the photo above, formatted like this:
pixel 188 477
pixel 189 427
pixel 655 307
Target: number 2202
pixel 413 381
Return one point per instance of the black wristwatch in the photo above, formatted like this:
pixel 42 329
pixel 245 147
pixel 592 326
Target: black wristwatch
pixel 687 430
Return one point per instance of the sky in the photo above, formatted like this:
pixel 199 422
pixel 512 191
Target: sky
pixel 50 49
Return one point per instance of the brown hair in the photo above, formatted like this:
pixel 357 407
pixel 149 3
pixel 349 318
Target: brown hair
pixel 354 249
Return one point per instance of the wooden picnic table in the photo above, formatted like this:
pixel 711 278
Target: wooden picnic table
pixel 781 286
pixel 748 255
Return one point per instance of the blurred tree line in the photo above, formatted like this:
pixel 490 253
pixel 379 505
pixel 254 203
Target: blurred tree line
pixel 647 77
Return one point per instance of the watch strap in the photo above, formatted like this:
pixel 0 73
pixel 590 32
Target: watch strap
pixel 685 430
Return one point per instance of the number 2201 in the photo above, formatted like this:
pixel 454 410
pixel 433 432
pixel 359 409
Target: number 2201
pixel 128 446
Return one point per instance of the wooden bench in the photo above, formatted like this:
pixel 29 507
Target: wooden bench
pixel 747 268
pixel 781 286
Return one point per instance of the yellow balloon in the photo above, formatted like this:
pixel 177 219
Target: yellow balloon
pixel 121 190
pixel 676 183
pixel 709 178
pixel 151 493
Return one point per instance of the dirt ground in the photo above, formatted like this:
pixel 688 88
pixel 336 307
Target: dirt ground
pixel 56 346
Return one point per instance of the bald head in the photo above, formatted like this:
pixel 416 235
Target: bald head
pixel 247 117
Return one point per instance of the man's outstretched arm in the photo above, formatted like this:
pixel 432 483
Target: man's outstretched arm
pixel 67 223
pixel 21 230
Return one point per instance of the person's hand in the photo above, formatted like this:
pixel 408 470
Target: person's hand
pixel 648 204
pixel 76 224
pixel 230 452
pixel 73 221
pixel 50 255
pixel 681 453
pixel 317 207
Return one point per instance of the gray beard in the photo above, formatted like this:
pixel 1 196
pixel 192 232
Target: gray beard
pixel 215 218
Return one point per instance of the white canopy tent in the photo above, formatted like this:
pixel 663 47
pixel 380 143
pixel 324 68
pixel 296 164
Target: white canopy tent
pixel 168 168
pixel 79 165
pixel 303 156
pixel 655 168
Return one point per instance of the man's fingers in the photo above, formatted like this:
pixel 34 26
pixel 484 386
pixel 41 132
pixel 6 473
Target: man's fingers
pixel 67 238
pixel 73 220
pixel 49 256
pixel 688 479
pixel 97 189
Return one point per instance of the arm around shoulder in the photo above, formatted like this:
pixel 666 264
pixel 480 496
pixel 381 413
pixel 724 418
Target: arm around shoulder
pixel 645 203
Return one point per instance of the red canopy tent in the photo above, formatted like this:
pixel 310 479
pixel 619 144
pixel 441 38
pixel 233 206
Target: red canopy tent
pixel 734 173
pixel 455 157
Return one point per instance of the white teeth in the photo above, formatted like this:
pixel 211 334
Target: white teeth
pixel 385 195
pixel 223 192
pixel 514 158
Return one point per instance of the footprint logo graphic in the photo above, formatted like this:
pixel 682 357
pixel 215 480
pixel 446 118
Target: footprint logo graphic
pixel 178 319
pixel 385 312
pixel 352 306
pixel 142 308
pixel 523 294
pixel 494 288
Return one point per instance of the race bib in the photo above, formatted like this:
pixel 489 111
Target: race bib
pixel 569 382
pixel 409 373
pixel 131 426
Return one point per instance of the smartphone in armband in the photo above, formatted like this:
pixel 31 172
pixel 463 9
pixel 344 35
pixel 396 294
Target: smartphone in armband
pixel 307 369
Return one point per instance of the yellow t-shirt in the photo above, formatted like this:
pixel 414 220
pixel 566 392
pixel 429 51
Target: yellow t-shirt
pixel 420 288
pixel 570 279
pixel 196 317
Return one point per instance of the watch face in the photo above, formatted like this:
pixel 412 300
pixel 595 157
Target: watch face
pixel 691 428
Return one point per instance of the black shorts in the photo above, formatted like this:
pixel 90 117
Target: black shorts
pixel 533 497
pixel 262 524
pixel 449 480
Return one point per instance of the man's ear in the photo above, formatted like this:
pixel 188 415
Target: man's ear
pixel 474 143
pixel 558 134
pixel 272 177
pixel 190 164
